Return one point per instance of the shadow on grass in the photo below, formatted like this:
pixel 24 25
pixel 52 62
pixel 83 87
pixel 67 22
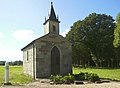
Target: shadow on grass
pixel 110 79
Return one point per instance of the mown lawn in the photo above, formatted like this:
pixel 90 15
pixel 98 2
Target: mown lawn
pixel 16 75
pixel 113 74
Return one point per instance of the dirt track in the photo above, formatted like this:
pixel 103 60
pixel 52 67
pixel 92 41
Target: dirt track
pixel 38 84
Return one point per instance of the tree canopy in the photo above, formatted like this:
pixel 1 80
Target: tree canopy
pixel 117 32
pixel 93 38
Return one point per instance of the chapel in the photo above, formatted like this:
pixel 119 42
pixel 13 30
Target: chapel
pixel 49 54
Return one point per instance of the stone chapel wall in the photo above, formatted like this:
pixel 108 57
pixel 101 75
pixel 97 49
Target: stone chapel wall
pixel 43 55
pixel 28 60
pixel 42 59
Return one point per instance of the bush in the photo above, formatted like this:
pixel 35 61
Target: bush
pixel 68 79
pixel 94 77
pixel 87 76
pixel 58 79
pixel 80 76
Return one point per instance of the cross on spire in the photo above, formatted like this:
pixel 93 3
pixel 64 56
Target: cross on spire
pixel 51 3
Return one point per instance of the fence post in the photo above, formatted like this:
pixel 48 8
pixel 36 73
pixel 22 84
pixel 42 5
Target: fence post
pixel 7 74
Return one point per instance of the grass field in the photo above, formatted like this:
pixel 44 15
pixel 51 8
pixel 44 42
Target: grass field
pixel 113 74
pixel 16 75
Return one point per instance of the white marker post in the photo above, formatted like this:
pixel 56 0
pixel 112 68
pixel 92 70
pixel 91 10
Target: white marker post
pixel 7 74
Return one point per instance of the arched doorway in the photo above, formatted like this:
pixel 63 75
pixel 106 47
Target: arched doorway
pixel 55 61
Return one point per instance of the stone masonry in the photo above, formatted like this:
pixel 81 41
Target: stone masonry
pixel 50 54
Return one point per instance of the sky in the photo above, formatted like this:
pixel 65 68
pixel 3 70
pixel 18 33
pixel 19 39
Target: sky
pixel 21 21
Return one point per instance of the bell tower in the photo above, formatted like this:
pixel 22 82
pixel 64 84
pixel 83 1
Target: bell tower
pixel 51 25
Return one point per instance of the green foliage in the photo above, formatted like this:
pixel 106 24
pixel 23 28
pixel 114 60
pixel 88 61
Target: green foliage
pixel 80 52
pixel 80 76
pixel 117 32
pixel 68 79
pixel 2 63
pixel 18 63
pixel 58 79
pixel 94 77
pixel 92 40
pixel 12 63
pixel 87 76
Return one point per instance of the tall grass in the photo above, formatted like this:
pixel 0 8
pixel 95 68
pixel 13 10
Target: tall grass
pixel 16 75
pixel 113 74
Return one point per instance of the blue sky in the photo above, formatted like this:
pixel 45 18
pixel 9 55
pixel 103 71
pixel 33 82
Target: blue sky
pixel 21 21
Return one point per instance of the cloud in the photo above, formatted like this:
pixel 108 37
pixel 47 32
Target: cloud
pixel 10 55
pixel 1 35
pixel 23 35
pixel 65 32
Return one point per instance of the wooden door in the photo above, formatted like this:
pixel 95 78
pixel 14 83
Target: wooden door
pixel 55 61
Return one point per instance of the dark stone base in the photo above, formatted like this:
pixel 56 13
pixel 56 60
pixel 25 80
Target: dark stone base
pixel 7 83
pixel 98 82
pixel 79 82
pixel 106 81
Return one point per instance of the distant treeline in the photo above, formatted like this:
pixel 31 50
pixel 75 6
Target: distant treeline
pixel 12 63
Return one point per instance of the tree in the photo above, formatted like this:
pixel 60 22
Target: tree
pixel 16 63
pixel 116 42
pixel 95 34
pixel 99 30
pixel 80 53
pixel 2 62
pixel 117 32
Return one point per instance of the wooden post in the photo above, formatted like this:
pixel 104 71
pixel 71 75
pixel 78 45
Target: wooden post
pixel 7 74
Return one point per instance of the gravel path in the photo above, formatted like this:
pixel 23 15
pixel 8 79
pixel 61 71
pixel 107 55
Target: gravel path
pixel 38 84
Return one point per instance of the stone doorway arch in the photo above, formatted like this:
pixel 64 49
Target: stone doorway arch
pixel 55 61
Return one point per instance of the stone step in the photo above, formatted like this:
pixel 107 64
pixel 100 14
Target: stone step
pixel 51 83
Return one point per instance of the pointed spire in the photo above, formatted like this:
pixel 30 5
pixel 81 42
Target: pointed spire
pixel 52 15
